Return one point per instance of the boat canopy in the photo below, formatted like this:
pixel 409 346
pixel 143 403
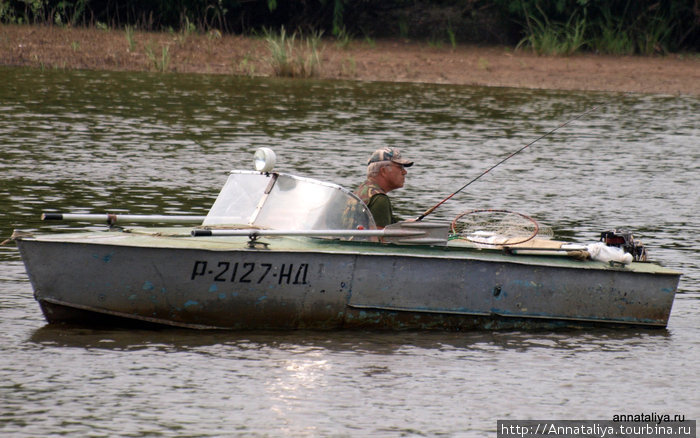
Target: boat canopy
pixel 287 202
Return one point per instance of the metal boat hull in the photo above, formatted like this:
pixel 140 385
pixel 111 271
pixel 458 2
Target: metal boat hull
pixel 318 284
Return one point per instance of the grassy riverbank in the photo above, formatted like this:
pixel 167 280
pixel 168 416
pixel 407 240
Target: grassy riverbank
pixel 370 60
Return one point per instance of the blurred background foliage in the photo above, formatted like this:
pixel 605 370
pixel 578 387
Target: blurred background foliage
pixel 551 27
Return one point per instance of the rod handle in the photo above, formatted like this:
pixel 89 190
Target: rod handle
pixel 52 216
pixel 201 233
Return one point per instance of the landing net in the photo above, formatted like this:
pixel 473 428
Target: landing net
pixel 498 227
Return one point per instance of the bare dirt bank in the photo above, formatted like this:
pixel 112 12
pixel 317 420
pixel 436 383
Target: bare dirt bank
pixel 390 60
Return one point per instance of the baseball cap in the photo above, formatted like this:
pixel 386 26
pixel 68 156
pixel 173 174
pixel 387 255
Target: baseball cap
pixel 389 154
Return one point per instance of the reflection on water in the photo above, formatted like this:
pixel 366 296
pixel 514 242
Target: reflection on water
pixel 154 143
pixel 378 342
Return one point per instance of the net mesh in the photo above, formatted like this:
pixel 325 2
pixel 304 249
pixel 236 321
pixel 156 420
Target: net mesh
pixel 498 227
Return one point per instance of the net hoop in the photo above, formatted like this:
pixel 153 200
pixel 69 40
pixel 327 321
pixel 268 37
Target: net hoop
pixel 469 237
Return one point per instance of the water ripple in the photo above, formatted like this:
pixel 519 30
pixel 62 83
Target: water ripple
pixel 149 143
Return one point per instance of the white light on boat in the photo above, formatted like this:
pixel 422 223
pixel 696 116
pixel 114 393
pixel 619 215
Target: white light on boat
pixel 265 159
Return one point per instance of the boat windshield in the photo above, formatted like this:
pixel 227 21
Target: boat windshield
pixel 286 202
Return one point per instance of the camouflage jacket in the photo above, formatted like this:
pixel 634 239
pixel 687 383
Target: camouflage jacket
pixel 378 203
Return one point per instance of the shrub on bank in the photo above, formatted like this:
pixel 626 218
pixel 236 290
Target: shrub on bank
pixel 554 27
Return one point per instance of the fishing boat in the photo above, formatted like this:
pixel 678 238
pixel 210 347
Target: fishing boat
pixel 280 251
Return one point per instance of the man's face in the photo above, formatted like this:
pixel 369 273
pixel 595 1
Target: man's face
pixel 395 175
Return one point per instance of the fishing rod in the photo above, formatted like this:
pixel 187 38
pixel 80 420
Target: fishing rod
pixel 433 208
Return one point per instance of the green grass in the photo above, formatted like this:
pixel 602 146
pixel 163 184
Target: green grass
pixel 551 38
pixel 245 65
pixel 452 36
pixel 162 62
pixel 614 42
pixel 644 34
pixel 186 29
pixel 403 27
pixel 343 38
pixel 435 42
pixel 654 36
pixel 349 67
pixel 292 57
pixel 129 33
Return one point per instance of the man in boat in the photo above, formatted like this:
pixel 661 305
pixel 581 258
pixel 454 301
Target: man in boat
pixel 386 171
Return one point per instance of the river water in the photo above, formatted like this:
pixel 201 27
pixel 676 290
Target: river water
pixel 154 143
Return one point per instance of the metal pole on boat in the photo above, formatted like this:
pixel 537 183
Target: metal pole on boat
pixel 309 233
pixel 113 218
pixel 433 208
pixel 401 232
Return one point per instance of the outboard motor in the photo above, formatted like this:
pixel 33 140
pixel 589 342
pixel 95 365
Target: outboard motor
pixel 624 239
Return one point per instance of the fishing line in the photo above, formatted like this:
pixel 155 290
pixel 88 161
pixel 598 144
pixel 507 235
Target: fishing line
pixel 431 209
